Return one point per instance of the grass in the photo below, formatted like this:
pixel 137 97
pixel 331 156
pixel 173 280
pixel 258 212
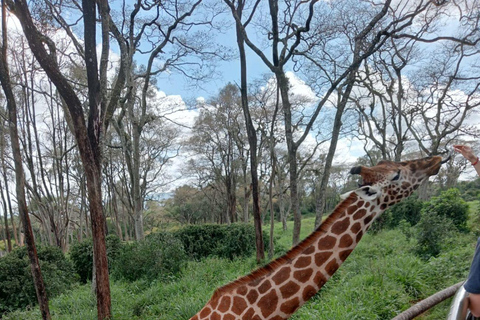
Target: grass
pixel 380 279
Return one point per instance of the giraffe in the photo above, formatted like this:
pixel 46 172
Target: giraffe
pixel 276 291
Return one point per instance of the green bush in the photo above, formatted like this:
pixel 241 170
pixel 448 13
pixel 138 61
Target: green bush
pixel 433 229
pixel 408 210
pixel 223 241
pixel 450 205
pixel 159 256
pixel 81 254
pixel 16 282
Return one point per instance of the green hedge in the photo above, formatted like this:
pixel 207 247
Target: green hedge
pixel 16 282
pixel 224 241
pixel 159 256
pixel 81 254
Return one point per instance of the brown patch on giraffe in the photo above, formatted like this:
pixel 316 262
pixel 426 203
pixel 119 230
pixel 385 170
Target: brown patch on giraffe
pixel 319 279
pixel 255 282
pixel 359 214
pixel 289 289
pixel 345 241
pixel 359 236
pixel 229 317
pixel 215 316
pixel 309 250
pixel 356 227
pixel 303 275
pixel 242 290
pixel 205 312
pixel 276 318
pixel 321 257
pixel 214 302
pixel 290 306
pixel 281 276
pixel 257 317
pixel 224 304
pixel 239 305
pixel 331 267
pixel 341 226
pixel 252 296
pixel 308 292
pixel 367 204
pixel 195 317
pixel 368 219
pixel 268 303
pixel 266 285
pixel 326 243
pixel 344 254
pixel 249 314
pixel 351 210
pixel 303 262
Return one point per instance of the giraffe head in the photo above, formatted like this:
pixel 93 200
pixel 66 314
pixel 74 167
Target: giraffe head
pixel 390 182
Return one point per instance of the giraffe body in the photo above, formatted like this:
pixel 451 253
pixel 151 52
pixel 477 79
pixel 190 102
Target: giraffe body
pixel 277 290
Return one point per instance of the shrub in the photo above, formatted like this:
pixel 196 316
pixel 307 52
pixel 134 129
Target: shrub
pixel 159 256
pixel 81 254
pixel 223 241
pixel 16 283
pixel 433 229
pixel 450 205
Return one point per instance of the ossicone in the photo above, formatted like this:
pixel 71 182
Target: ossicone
pixel 356 170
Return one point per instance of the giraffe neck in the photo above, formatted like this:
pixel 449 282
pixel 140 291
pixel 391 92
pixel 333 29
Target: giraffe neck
pixel 277 290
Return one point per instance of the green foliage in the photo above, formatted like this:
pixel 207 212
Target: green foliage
pixel 159 256
pixel 223 241
pixel 16 283
pixel 81 254
pixel 408 210
pixel 433 229
pixel 450 205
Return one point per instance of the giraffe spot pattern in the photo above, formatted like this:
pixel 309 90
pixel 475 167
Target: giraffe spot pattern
pixel 322 257
pixel 249 314
pixel 326 243
pixel 242 290
pixel 252 296
pixel 344 254
pixel 331 267
pixel 356 227
pixel 281 276
pixel 265 286
pixel 239 305
pixel 303 262
pixel 341 226
pixel 205 312
pixel 359 214
pixel 345 241
pixel 268 303
pixel 308 292
pixel 303 275
pixel 290 306
pixel 319 279
pixel 289 289
pixel 309 250
pixel 224 305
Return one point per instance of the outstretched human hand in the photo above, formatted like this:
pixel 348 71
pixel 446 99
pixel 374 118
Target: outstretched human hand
pixel 466 151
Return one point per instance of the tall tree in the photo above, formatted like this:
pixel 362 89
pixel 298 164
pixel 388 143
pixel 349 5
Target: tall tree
pixel 19 174
pixel 88 134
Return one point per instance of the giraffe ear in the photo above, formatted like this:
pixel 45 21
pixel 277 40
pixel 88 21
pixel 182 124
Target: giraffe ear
pixel 368 193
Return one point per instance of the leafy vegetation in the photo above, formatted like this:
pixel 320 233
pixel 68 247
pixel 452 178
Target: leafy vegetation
pixel 386 273
pixel 16 283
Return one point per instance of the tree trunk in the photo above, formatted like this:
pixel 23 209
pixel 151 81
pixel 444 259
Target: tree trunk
pixel 252 137
pixel 88 138
pixel 19 175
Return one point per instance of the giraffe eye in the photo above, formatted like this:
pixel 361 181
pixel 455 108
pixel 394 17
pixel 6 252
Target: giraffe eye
pixel 397 176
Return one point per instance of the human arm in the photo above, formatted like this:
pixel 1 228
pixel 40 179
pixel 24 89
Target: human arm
pixel 468 154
